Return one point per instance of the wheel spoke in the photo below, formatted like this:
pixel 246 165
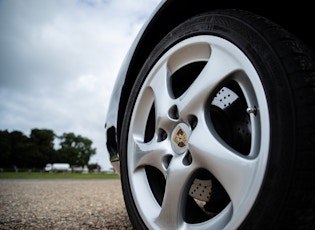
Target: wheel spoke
pixel 151 153
pixel 177 178
pixel 209 78
pixel 235 172
pixel 162 98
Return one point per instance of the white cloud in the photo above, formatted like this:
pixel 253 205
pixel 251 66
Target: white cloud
pixel 59 60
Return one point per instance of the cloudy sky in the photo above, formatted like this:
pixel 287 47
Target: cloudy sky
pixel 59 60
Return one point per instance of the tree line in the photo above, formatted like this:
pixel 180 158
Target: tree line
pixel 39 148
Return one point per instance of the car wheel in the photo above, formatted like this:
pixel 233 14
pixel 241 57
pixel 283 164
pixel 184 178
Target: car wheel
pixel 219 129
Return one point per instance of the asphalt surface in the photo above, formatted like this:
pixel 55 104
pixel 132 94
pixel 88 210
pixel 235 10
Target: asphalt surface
pixel 62 204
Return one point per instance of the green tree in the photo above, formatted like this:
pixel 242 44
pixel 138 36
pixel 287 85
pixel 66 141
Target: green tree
pixel 20 146
pixel 76 149
pixel 5 149
pixel 43 150
pixel 35 151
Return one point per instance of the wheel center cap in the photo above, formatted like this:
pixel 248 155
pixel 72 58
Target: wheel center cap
pixel 180 136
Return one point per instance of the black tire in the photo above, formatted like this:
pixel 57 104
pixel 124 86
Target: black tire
pixel 260 118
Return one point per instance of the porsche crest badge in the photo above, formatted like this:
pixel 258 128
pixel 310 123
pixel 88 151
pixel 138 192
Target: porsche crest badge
pixel 180 138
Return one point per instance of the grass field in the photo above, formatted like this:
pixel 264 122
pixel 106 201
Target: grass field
pixel 45 175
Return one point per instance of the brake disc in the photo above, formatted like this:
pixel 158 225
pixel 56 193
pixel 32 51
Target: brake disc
pixel 201 190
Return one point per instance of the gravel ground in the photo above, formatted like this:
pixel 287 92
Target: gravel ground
pixel 62 204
